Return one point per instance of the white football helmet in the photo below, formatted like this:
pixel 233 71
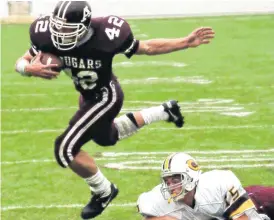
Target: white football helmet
pixel 184 166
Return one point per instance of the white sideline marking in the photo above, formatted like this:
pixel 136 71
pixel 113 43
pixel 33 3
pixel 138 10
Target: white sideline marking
pixel 236 166
pixel 224 127
pixel 14 207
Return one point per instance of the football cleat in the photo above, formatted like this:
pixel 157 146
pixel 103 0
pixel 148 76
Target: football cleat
pixel 172 108
pixel 97 204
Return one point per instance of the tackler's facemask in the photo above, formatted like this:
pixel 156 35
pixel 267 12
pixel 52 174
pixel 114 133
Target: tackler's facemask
pixel 180 175
pixel 65 36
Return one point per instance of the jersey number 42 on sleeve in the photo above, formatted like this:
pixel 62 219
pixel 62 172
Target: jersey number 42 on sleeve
pixel 114 32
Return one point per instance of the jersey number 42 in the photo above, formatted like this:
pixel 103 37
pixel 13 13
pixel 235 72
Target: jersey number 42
pixel 115 31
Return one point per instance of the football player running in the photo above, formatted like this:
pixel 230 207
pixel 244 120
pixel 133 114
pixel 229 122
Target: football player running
pixel 87 46
pixel 187 193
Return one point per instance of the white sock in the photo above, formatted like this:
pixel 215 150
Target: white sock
pixel 99 184
pixel 154 114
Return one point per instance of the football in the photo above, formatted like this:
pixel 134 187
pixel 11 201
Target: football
pixel 48 58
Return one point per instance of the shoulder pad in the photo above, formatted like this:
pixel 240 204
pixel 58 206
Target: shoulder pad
pixel 111 32
pixel 40 36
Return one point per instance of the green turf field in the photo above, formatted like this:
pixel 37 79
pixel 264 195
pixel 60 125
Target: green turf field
pixel 225 89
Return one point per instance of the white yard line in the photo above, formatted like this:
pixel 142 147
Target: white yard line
pixel 200 152
pixel 147 80
pixel 141 36
pixel 154 157
pixel 206 160
pixel 39 94
pixel 188 109
pixel 237 114
pixel 135 30
pixel 47 161
pixel 223 166
pixel 53 206
pixel 223 127
pixel 149 63
pixel 39 109
pixel 26 161
pixel 140 160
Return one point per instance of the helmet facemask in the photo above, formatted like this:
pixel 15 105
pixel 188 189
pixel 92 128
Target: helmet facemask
pixel 65 36
pixel 174 186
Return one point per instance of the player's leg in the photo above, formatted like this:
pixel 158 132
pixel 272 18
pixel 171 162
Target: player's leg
pixel 129 123
pixel 101 131
pixel 68 149
pixel 263 198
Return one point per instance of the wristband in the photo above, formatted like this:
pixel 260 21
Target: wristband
pixel 21 65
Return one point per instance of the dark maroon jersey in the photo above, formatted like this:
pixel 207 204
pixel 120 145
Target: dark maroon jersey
pixel 263 198
pixel 88 64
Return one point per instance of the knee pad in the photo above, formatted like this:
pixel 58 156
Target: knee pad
pixel 126 125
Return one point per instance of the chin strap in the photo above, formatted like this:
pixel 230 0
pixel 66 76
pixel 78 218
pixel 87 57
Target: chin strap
pixel 171 198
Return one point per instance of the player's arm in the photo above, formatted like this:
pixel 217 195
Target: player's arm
pixel 239 205
pixel 25 67
pixel 30 63
pixel 22 63
pixel 251 215
pixel 148 208
pixel 199 36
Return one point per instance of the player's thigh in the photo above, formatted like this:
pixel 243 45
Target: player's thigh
pixel 64 142
pixel 106 134
pixel 91 117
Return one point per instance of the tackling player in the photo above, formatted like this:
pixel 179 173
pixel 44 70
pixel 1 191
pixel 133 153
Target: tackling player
pixel 87 46
pixel 187 193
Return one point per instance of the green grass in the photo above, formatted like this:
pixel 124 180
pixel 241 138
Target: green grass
pixel 239 62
